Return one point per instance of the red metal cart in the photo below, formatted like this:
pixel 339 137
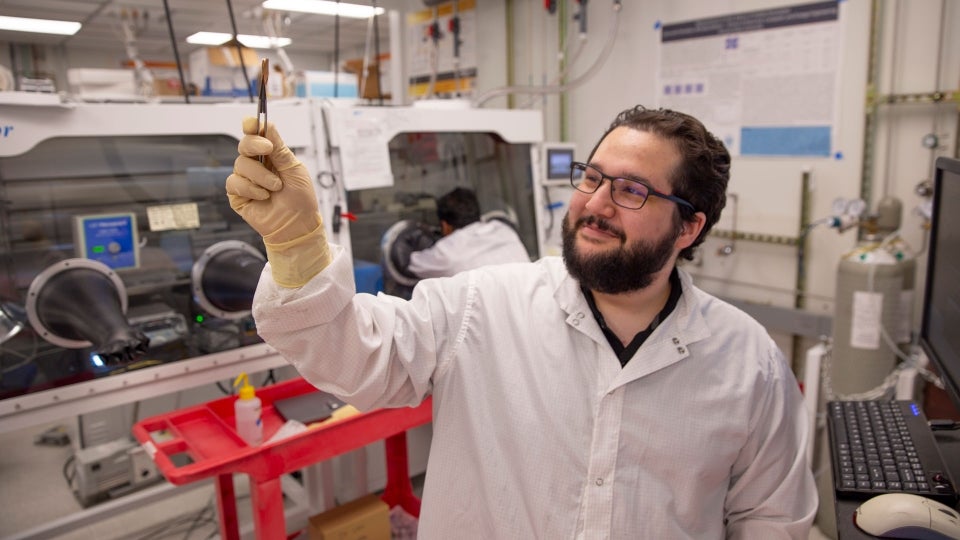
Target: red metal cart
pixel 205 435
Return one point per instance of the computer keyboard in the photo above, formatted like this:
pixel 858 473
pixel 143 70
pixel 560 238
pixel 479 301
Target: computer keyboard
pixel 885 447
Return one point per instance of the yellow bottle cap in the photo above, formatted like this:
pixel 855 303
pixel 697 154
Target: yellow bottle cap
pixel 246 391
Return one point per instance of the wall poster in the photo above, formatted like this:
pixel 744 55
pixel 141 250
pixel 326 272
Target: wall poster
pixel 763 81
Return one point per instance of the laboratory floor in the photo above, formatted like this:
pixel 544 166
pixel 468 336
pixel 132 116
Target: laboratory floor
pixel 34 492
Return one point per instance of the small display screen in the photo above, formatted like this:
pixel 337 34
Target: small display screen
pixel 108 238
pixel 558 162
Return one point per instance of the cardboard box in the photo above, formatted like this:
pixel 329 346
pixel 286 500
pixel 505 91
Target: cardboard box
pixel 226 56
pixel 367 518
pixel 367 82
pixel 216 71
pixel 169 86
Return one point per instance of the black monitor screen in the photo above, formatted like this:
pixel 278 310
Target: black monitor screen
pixel 558 163
pixel 940 329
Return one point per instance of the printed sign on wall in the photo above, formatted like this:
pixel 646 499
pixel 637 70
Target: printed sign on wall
pixel 763 81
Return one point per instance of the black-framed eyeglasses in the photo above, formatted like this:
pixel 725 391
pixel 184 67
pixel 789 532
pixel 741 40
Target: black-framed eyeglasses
pixel 626 192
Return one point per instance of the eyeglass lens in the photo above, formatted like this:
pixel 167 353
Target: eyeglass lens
pixel 626 193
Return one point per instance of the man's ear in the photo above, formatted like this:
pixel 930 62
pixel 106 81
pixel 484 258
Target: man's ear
pixel 445 228
pixel 690 230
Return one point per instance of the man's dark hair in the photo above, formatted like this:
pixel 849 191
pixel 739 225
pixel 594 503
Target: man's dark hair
pixel 459 208
pixel 701 179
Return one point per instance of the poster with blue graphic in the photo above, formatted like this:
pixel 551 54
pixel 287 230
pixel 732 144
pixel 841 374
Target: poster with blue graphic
pixel 763 81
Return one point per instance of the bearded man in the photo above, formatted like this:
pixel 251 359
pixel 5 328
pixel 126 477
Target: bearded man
pixel 597 395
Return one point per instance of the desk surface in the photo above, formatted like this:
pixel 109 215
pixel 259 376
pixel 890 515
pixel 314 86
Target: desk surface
pixel 205 440
pixel 205 434
pixel 949 442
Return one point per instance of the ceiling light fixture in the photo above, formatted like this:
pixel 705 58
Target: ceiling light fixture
pixel 254 42
pixel 39 26
pixel 324 7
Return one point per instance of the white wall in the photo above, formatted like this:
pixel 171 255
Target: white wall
pixel 768 189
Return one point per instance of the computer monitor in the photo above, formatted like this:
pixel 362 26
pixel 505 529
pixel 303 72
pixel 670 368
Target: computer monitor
pixel 940 328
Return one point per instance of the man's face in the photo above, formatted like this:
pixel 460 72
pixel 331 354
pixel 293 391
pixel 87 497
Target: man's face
pixel 611 249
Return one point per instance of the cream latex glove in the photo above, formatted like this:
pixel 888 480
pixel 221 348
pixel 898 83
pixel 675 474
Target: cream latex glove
pixel 280 204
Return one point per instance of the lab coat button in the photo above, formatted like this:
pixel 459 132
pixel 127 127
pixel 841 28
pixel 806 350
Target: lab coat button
pixel 599 481
pixel 681 350
pixel 676 341
pixel 575 322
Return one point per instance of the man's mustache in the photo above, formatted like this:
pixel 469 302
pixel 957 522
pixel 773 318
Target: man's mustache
pixel 601 224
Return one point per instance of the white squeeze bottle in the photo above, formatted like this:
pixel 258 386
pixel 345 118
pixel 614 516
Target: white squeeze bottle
pixel 247 411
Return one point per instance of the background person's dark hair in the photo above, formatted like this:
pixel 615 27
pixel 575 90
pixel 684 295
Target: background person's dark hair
pixel 459 208
pixel 704 173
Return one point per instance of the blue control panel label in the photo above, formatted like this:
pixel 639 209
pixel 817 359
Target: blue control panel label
pixel 110 239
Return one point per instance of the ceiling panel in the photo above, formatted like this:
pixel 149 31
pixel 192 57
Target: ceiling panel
pixel 103 24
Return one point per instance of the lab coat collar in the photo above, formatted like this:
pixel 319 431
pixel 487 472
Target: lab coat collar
pixel 668 344
pixel 570 299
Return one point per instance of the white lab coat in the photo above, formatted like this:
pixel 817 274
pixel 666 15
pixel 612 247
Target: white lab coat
pixel 537 430
pixel 478 244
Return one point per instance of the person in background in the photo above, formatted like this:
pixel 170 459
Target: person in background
pixel 597 395
pixel 467 242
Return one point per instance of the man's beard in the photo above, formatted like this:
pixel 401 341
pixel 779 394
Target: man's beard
pixel 627 268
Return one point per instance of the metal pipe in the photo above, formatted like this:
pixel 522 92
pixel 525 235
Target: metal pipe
pixel 799 299
pixel 562 41
pixel 869 124
pixel 762 238
pixel 936 97
pixel 805 209
pixel 728 249
pixel 511 45
pixel 576 82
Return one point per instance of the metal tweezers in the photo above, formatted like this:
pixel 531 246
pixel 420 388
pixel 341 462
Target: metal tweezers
pixel 262 105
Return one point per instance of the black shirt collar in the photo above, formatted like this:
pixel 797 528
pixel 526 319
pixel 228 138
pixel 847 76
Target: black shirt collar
pixel 624 354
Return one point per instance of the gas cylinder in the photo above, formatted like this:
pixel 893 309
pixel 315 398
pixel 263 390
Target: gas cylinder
pixel 874 296
pixel 869 282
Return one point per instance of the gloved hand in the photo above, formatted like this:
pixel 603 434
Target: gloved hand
pixel 280 204
pixel 412 238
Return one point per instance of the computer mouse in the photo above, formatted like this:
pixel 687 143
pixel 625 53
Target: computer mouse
pixel 904 515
